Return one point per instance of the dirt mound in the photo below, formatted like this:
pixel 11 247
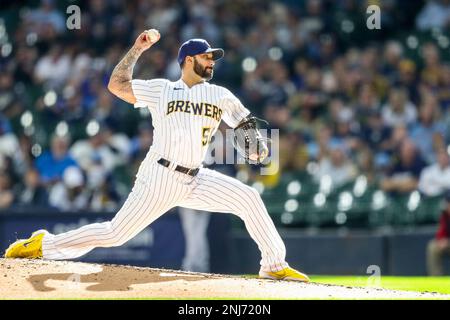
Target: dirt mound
pixel 40 279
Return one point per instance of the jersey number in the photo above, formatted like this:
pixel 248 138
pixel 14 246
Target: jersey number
pixel 206 135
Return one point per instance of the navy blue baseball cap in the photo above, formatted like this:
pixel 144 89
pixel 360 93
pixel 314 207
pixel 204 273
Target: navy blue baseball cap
pixel 198 46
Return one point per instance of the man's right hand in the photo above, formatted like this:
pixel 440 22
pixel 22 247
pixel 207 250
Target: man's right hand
pixel 144 42
pixel 120 80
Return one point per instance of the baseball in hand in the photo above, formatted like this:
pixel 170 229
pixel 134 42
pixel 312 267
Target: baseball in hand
pixel 152 34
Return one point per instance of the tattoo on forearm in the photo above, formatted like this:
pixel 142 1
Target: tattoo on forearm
pixel 123 72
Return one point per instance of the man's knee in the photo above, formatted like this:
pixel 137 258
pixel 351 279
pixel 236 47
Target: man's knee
pixel 116 235
pixel 250 199
pixel 433 247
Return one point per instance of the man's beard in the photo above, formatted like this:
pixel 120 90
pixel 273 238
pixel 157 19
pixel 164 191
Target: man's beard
pixel 204 72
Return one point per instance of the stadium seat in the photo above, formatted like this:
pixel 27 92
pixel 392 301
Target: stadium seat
pixel 405 207
pixel 381 209
pixel 321 212
pixel 429 210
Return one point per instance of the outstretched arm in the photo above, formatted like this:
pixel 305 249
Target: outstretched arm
pixel 120 81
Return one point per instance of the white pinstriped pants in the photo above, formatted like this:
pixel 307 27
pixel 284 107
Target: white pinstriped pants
pixel 157 189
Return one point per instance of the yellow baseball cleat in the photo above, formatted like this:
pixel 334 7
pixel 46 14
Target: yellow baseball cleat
pixel 30 248
pixel 288 274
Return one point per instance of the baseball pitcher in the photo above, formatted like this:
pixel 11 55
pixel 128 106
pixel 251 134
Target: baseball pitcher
pixel 186 114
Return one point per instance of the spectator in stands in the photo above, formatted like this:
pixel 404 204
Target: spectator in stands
pixel 435 179
pixel 100 22
pixel 392 55
pixel 312 99
pixel 314 18
pixel 104 111
pixel 7 95
pixel 119 143
pixel 33 192
pixel 51 164
pixel 7 196
pixel 26 149
pixel 280 88
pixel 365 161
pixel 346 130
pixel 366 105
pixel 442 91
pixel 404 174
pixel 102 188
pixel 25 63
pixel 431 72
pixel 45 17
pixel 294 155
pixel 428 133
pixel 435 14
pixel 407 78
pixel 70 194
pixel 375 134
pixel 97 148
pixel 398 134
pixel 277 115
pixel 54 67
pixel 318 146
pixel 337 166
pixel 105 197
pixel 399 110
pixel 9 147
pixel 440 245
pixel 202 26
pixel 102 157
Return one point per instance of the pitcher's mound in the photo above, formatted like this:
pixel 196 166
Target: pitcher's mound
pixel 40 279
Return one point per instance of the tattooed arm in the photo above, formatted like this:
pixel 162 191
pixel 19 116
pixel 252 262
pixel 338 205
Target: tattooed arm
pixel 120 81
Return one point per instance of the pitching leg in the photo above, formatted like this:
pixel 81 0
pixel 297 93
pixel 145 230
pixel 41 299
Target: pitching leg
pixel 217 192
pixel 148 200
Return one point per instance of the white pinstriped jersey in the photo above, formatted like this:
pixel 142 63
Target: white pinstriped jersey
pixel 185 119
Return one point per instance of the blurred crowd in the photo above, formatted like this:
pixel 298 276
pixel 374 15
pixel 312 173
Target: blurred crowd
pixel 348 101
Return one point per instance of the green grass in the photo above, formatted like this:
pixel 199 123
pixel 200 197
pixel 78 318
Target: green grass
pixel 420 284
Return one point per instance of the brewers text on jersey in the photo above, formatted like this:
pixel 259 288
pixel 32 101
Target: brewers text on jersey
pixel 201 109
